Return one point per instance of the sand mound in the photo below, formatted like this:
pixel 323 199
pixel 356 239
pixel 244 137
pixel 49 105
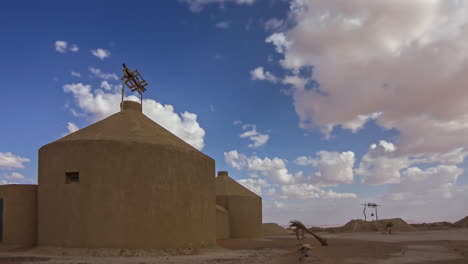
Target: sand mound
pixel 273 229
pixel 462 222
pixel 434 226
pixel 373 226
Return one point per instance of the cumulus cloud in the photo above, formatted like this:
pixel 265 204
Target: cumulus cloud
pixel 9 161
pixel 404 59
pixel 274 169
pixel 108 86
pixel 383 164
pixel 101 53
pixel 14 178
pixel 98 104
pixel 357 123
pixel 103 75
pixel 198 5
pixel 61 46
pixel 74 48
pixel 332 168
pixel 258 139
pixel 72 127
pixel 438 181
pixel 260 74
pixel 255 185
pixel 308 191
pixel 280 41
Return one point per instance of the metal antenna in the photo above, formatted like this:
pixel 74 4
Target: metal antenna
pixel 134 81
pixel 374 205
pixel 364 211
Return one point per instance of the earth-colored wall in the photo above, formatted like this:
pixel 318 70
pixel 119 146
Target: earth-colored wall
pixel 245 215
pixel 222 223
pixel 129 195
pixel 19 214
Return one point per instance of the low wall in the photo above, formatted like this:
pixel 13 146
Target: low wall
pixel 19 214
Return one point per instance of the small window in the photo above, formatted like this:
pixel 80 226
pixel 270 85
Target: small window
pixel 72 177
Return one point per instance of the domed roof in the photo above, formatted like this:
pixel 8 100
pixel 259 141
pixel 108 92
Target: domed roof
pixel 225 185
pixel 129 125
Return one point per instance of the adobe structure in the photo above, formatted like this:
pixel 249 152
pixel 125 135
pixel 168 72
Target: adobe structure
pixel 238 211
pixel 126 182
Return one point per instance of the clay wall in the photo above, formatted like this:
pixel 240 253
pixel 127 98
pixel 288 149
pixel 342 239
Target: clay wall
pixel 245 215
pixel 19 214
pixel 222 223
pixel 129 195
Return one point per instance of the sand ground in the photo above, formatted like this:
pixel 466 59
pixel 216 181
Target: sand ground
pixel 418 247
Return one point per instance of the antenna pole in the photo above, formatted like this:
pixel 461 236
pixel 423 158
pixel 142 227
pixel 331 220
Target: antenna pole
pixel 364 211
pixel 134 81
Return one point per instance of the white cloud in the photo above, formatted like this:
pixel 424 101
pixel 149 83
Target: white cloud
pixel 438 181
pixel 359 121
pixel 98 104
pixel 108 87
pixel 235 159
pixel 61 46
pixel 198 5
pixel 101 53
pixel 377 50
pixel 9 161
pixel 304 161
pixel 280 42
pixel 274 169
pixel 74 48
pixel 76 74
pixel 383 163
pixel 332 167
pixel 255 185
pixel 273 24
pixel 223 24
pixel 308 191
pixel 260 74
pixel 14 178
pixel 72 127
pixel 212 108
pixel 100 74
pixel 258 139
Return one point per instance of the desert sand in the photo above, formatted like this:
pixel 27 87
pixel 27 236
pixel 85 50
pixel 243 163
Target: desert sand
pixel 440 246
pixel 356 242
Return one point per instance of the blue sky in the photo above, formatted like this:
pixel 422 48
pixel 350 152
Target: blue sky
pixel 301 101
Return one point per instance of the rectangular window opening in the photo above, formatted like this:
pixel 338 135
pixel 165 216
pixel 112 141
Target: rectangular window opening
pixel 72 177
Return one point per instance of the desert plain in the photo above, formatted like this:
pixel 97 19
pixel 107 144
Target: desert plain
pixel 356 242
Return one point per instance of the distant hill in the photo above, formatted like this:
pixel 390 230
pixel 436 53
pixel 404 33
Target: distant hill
pixel 434 226
pixel 368 226
pixel 462 222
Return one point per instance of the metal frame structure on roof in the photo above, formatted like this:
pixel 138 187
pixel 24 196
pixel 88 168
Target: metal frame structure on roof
pixel 134 81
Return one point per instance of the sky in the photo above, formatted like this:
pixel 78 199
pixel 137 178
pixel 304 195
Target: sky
pixel 318 106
